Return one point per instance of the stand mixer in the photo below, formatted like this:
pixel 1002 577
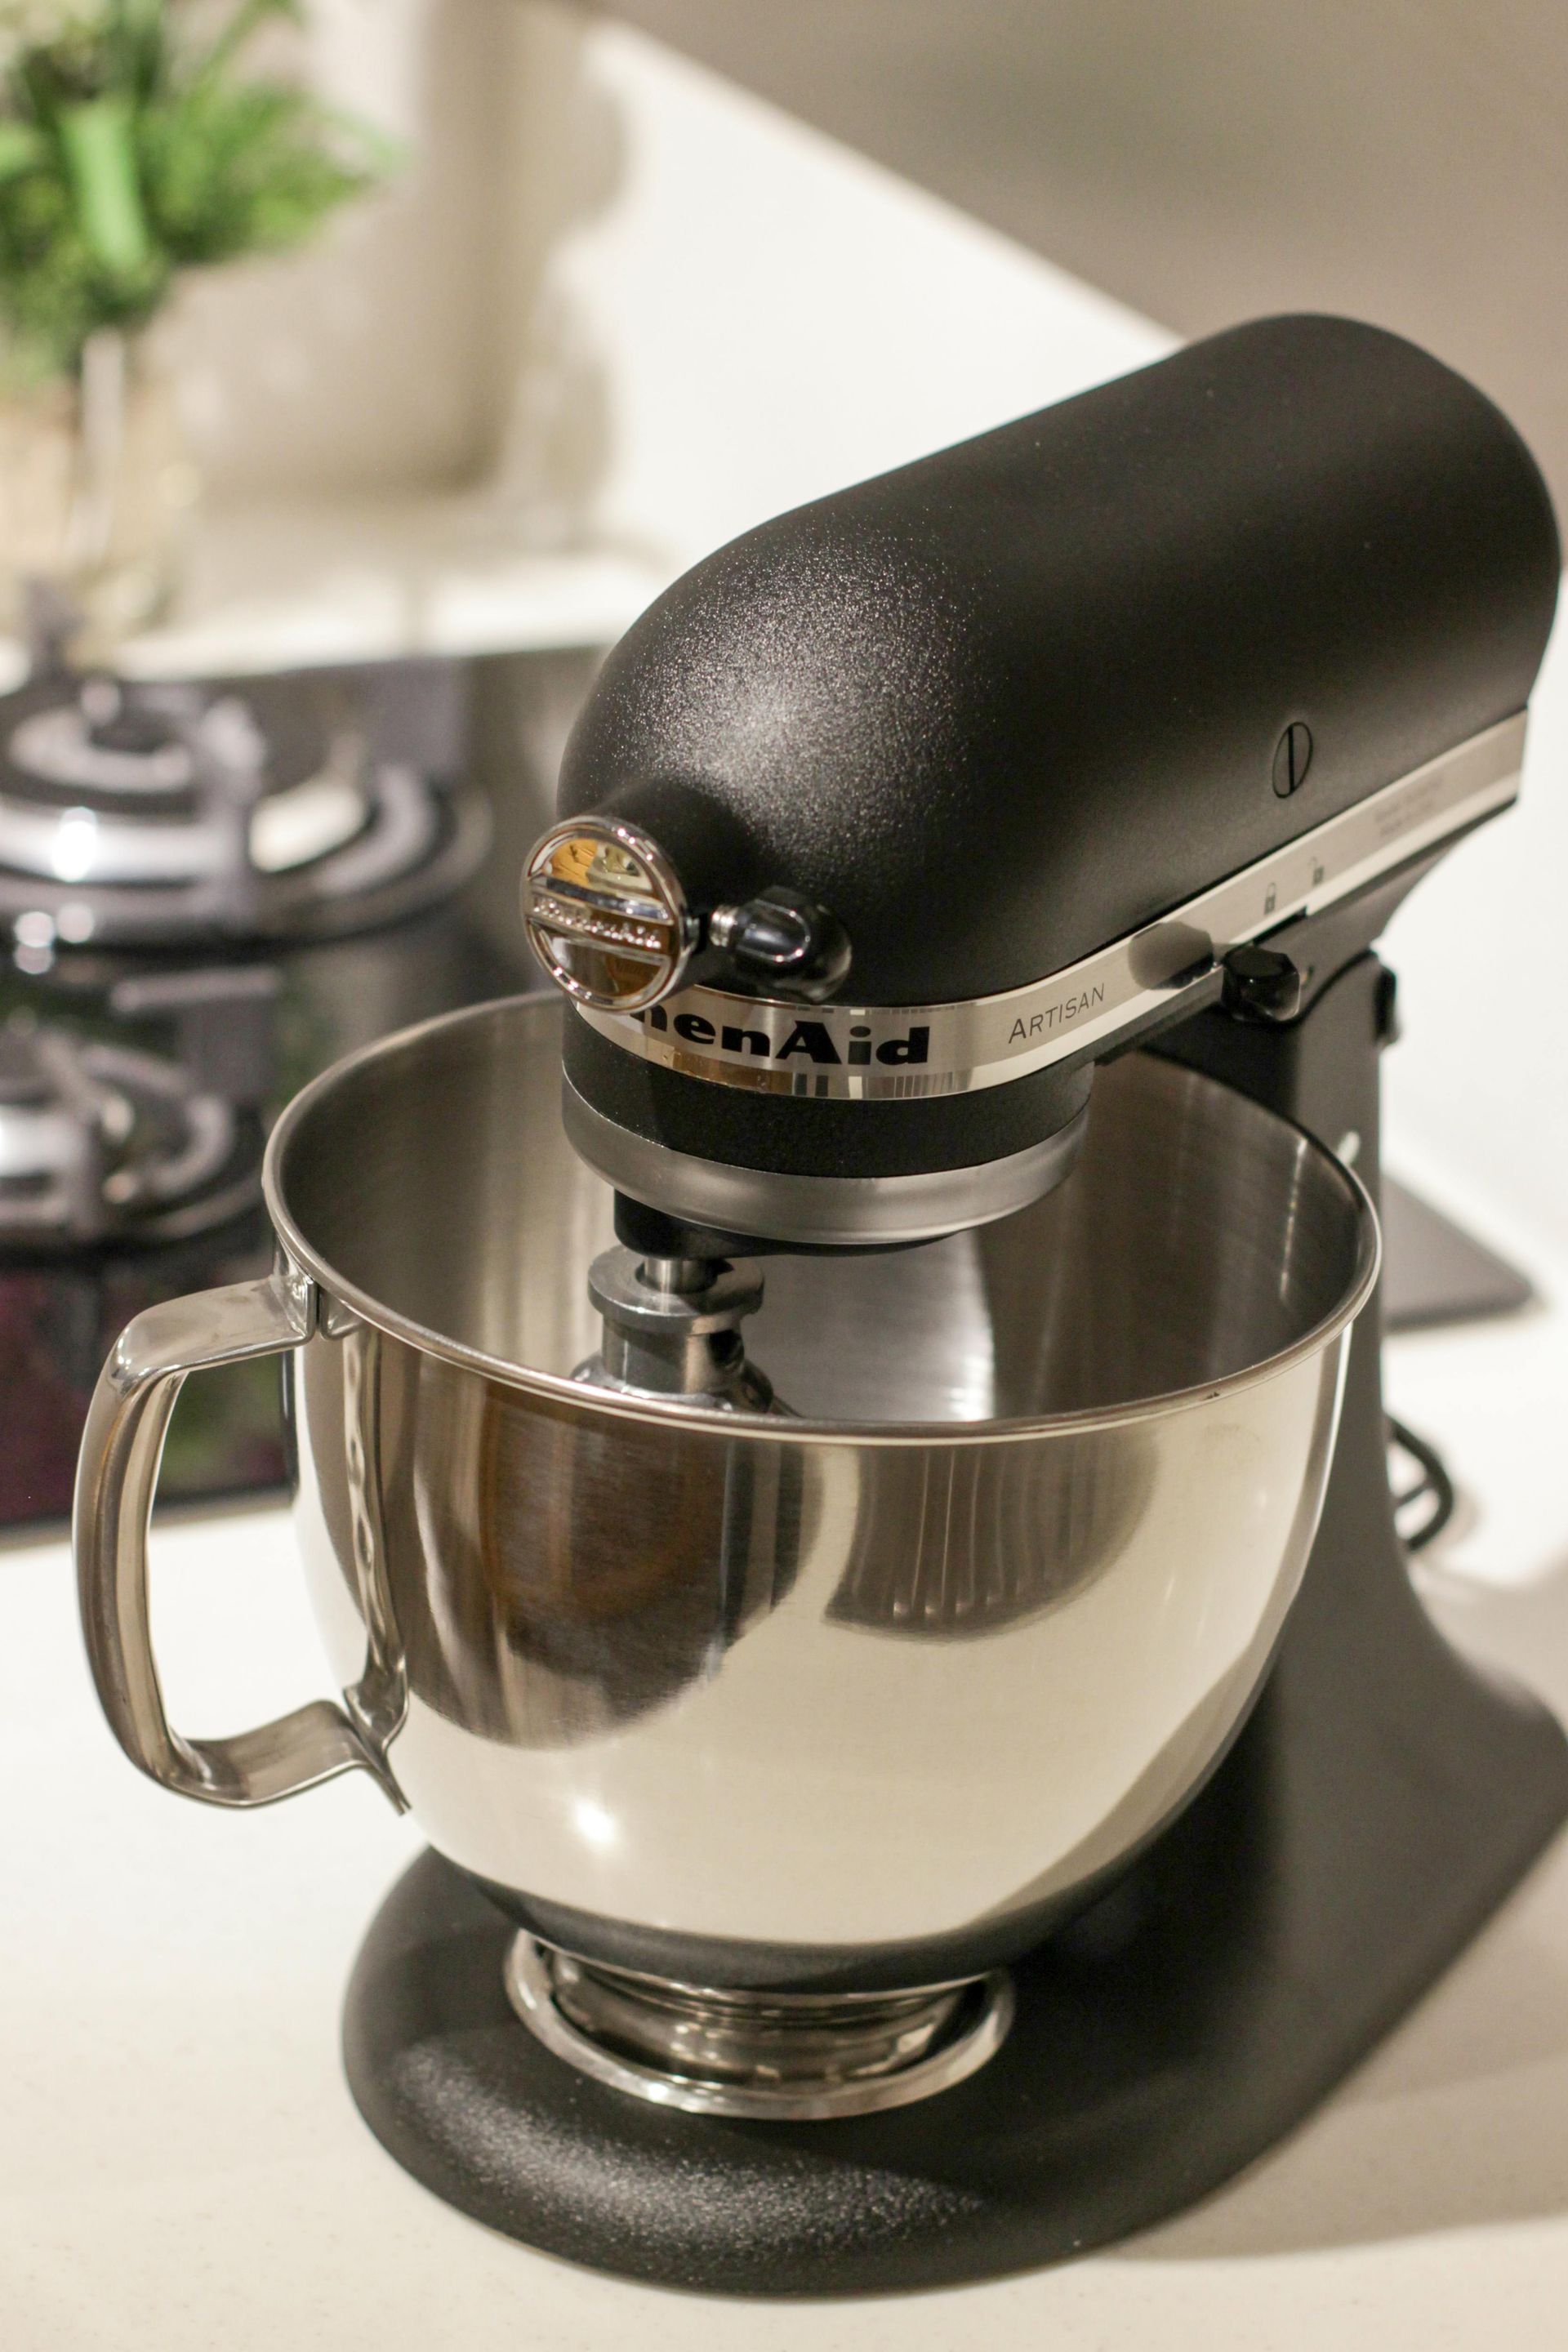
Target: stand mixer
pixel 850 1502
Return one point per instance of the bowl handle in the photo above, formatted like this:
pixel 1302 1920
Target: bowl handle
pixel 117 1475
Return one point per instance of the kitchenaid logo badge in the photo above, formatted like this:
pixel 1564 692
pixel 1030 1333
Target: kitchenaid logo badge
pixel 1030 1027
pixel 806 1042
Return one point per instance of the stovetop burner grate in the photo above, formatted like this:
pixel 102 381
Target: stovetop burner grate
pixel 160 815
pixel 102 1143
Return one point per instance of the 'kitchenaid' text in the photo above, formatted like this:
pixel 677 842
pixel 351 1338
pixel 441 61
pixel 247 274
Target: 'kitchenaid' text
pixel 808 1041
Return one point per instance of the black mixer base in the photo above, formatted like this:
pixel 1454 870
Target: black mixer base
pixel 1379 1805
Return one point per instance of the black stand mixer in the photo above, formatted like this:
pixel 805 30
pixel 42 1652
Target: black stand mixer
pixel 885 836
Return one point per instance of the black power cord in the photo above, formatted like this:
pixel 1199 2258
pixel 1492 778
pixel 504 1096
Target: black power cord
pixel 1423 1506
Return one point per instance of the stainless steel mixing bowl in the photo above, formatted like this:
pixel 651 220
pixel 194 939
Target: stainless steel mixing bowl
pixel 855 1698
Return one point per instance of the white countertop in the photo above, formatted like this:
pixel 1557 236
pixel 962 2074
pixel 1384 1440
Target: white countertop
pixel 289 584
pixel 182 2169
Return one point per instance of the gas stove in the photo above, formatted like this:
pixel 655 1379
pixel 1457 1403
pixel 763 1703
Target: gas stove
pixel 154 815
pixel 207 893
pixel 103 1142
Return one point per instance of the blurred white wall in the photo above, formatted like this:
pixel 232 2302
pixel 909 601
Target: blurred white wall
pixel 1405 161
pixel 647 307
pixel 771 315
pixel 363 363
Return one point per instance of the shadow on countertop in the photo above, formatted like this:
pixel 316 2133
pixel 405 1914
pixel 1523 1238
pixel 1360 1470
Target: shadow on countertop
pixel 1461 2120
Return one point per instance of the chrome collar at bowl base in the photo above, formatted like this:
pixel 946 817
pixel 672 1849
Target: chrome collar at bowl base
pixel 773 2057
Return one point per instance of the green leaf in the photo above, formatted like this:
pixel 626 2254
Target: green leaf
pixel 98 145
pixel 127 153
pixel 255 168
pixel 53 295
pixel 23 148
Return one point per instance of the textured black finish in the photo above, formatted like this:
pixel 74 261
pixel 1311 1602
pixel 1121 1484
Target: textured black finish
pixel 1000 707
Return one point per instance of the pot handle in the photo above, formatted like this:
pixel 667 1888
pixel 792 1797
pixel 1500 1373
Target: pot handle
pixel 117 1475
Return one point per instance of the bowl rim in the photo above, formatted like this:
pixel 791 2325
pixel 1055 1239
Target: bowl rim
pixel 578 1397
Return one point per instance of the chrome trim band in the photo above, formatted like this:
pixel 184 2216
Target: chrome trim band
pixel 530 1990
pixel 831 1210
pixel 850 1053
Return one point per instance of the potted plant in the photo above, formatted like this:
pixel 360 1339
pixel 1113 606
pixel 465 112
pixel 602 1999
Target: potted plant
pixel 138 141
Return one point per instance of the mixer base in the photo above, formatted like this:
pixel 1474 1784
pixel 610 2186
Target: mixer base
pixel 1379 1805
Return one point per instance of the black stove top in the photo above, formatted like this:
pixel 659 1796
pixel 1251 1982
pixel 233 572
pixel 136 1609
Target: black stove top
pixel 100 1142
pixel 206 896
pixel 163 815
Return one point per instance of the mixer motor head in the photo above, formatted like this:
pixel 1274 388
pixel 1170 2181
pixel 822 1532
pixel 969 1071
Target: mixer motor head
pixel 889 819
